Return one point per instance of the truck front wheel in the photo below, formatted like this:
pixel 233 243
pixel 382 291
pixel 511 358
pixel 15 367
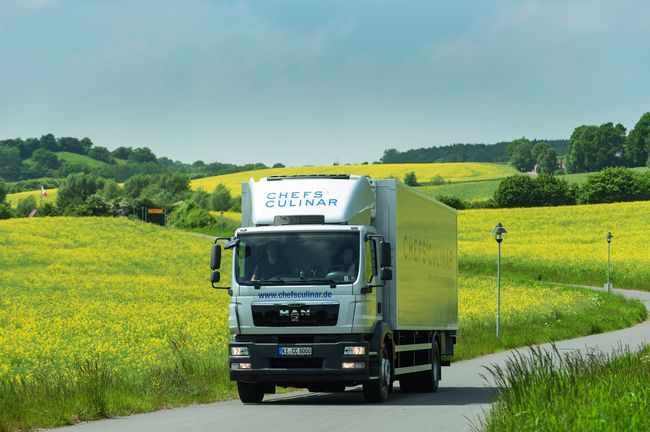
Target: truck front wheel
pixel 377 390
pixel 250 392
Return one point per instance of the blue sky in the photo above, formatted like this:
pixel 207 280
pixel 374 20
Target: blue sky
pixel 307 82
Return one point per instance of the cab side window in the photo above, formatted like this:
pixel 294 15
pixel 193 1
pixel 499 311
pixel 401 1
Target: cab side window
pixel 371 260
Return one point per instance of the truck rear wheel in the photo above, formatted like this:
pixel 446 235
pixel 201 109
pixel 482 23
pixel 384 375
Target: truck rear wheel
pixel 430 379
pixel 250 392
pixel 377 390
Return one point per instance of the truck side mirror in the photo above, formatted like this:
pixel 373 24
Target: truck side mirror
pixel 215 277
pixel 215 257
pixel 386 256
pixel 386 274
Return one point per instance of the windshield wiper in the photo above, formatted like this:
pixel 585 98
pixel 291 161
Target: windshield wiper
pixel 325 281
pixel 266 282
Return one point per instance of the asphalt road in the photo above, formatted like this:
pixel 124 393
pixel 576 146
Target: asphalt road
pixel 463 396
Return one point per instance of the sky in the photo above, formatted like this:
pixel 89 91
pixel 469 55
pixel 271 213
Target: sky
pixel 306 82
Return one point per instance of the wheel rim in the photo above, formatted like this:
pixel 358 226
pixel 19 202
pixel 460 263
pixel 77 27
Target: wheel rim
pixel 435 365
pixel 385 376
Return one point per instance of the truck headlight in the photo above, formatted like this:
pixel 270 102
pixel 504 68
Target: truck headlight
pixel 239 351
pixel 353 365
pixel 241 366
pixel 354 350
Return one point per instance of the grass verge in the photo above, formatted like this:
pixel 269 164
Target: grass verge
pixel 535 312
pixel 91 390
pixel 549 391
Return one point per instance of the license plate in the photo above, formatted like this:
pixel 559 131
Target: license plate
pixel 294 351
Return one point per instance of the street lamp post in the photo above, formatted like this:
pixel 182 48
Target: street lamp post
pixel 609 260
pixel 499 231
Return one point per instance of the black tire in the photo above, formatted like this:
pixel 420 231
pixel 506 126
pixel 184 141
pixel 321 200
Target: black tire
pixel 376 391
pixel 250 393
pixel 429 380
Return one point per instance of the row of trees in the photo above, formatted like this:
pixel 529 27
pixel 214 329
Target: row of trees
pixel 616 184
pixel 37 158
pixel 84 194
pixel 462 153
pixel 592 148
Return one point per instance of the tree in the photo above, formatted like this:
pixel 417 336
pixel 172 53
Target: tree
pixel 410 179
pixel 520 152
pixel 278 165
pixel 48 142
pixel 592 148
pixel 45 161
pixel 142 154
pixel 28 147
pixel 221 199
pixel 545 157
pixel 201 198
pixel 111 190
pixel 637 144
pixel 101 154
pixel 134 185
pixel 72 145
pixel 176 184
pixel 76 188
pixel 122 153
pixel 390 156
pixel 612 185
pixel 11 164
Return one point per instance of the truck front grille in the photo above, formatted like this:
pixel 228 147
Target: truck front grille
pixel 295 315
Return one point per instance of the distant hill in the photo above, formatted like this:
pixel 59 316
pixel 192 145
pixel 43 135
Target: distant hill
pixel 462 153
pixel 426 173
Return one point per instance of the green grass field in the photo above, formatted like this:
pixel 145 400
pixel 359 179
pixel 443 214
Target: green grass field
pixel 80 159
pixel 103 316
pixel 467 191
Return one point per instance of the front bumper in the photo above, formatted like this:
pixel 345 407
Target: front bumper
pixel 324 365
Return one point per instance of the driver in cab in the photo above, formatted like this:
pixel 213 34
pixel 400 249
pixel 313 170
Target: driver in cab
pixel 271 265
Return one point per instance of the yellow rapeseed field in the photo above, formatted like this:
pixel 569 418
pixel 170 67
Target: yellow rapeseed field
pixel 119 291
pixel 15 197
pixel 561 244
pixel 100 288
pixel 425 172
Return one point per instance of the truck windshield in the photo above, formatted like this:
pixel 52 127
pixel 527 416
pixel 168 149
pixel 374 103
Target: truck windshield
pixel 298 258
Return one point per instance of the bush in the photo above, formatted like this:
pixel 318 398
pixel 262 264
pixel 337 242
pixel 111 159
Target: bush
pixel 525 191
pixel 188 215
pixel 482 204
pixel 47 209
pixel 76 189
pixel 551 191
pixel 612 185
pixel 452 201
pixel 411 179
pixel 515 191
pixel 438 180
pixel 5 211
pixel 25 206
